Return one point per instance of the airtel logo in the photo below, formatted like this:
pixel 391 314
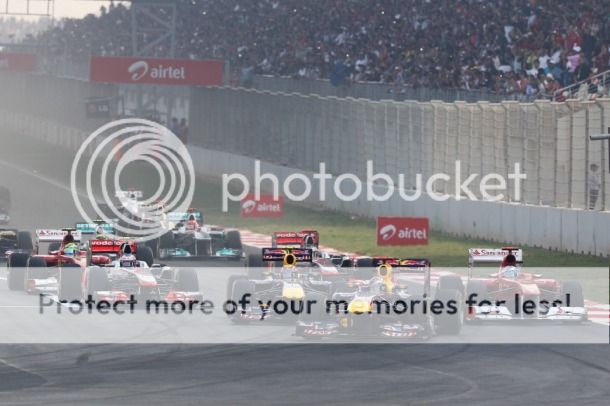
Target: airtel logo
pixel 138 70
pixel 248 206
pixel 387 232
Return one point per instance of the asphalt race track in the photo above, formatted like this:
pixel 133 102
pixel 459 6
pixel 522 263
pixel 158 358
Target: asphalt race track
pixel 103 374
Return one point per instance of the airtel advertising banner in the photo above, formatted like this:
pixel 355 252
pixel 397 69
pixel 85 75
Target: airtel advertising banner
pixel 266 206
pixel 155 71
pixel 402 231
pixel 17 62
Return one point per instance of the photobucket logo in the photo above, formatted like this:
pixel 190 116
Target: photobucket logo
pixel 380 187
pixel 103 158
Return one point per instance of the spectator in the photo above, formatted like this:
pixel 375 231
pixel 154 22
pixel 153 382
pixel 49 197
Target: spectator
pixel 183 131
pixel 594 183
pixel 174 127
pixel 466 44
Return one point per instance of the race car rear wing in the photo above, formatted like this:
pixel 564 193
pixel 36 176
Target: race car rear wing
pixel 406 265
pixel 178 216
pixel 56 235
pixel 278 254
pixel 109 246
pixel 90 228
pixel 298 239
pixel 493 255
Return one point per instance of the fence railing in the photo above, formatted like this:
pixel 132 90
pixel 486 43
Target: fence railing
pixel 361 90
pixel 373 91
pixel 594 87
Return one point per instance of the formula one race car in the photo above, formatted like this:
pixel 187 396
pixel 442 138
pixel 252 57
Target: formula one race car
pixel 126 276
pixel 190 240
pixel 513 294
pixel 12 240
pixel 274 292
pixel 308 239
pixel 45 270
pixel 381 305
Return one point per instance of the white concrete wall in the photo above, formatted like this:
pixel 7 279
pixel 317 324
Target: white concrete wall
pixel 570 230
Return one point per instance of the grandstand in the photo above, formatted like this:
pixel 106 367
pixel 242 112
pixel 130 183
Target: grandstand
pixel 505 49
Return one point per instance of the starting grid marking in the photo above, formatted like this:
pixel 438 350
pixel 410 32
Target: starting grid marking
pixel 598 313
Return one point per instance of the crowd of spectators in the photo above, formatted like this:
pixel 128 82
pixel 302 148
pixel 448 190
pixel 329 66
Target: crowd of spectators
pixel 527 47
pixel 14 30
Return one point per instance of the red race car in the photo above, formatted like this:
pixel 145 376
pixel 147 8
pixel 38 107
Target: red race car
pixel 511 294
pixel 58 254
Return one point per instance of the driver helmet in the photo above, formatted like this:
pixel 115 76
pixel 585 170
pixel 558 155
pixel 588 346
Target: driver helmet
pixel 100 234
pixel 509 260
pixel 68 238
pixel 128 261
pixel 191 223
pixel 511 272
pixel 70 248
pixel 308 241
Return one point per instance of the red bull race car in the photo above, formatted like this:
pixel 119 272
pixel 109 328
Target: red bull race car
pixel 379 303
pixel 275 285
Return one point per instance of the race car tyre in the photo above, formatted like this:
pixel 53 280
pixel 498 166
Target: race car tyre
pixel 255 265
pixel 187 280
pixel 69 288
pixel 16 264
pixel 144 253
pixel 240 288
pixel 54 246
pixel 479 288
pixel 24 241
pixel 574 289
pixel 254 261
pixel 451 282
pixel 231 282
pixel 318 308
pixel 233 239
pixel 449 321
pixel 37 268
pixel 364 262
pixel 167 241
pixel 154 246
pixel 97 280
pixel 416 314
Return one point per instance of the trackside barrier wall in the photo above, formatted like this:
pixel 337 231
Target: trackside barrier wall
pixel 548 140
pixel 293 133
pixel 570 230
